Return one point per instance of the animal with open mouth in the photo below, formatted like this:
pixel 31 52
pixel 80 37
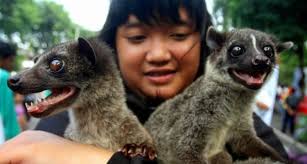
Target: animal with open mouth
pixel 83 75
pixel 215 110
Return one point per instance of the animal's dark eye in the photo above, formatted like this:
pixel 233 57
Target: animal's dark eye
pixel 236 51
pixel 56 65
pixel 268 51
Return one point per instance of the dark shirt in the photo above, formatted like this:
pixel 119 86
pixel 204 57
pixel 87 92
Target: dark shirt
pixel 55 124
pixel 293 100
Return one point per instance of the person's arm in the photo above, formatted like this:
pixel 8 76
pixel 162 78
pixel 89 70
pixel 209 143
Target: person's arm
pixel 290 111
pixel 38 147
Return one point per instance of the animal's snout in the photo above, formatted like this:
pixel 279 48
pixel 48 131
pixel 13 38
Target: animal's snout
pixel 14 82
pixel 261 61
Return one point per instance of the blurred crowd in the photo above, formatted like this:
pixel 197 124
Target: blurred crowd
pixel 287 103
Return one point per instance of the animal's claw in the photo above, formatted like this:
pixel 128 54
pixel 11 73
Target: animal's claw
pixel 132 150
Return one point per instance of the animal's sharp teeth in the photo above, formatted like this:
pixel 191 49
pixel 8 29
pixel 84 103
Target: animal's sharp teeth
pixel 27 105
pixel 32 104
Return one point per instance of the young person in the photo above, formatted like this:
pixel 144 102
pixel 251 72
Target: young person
pixel 291 104
pixel 7 104
pixel 161 49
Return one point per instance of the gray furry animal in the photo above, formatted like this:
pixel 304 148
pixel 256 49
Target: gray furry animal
pixel 257 161
pixel 215 110
pixel 83 76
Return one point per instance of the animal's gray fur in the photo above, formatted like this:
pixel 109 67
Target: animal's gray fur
pixel 257 161
pixel 194 126
pixel 99 112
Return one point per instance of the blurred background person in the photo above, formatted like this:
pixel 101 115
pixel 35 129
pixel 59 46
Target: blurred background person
pixel 7 106
pixel 21 111
pixel 290 106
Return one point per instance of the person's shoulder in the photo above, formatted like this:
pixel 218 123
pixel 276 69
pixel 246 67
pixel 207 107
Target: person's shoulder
pixel 4 73
pixel 4 76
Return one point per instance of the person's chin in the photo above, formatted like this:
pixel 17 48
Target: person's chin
pixel 163 92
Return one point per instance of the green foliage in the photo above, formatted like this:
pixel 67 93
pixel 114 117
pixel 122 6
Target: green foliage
pixel 283 18
pixel 289 62
pixel 300 128
pixel 37 24
pixel 18 62
pixel 40 24
pixel 18 16
pixel 54 28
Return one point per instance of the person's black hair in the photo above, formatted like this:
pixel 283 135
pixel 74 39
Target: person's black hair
pixel 6 50
pixel 157 11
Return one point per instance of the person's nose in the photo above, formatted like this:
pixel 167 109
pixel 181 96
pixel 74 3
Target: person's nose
pixel 158 52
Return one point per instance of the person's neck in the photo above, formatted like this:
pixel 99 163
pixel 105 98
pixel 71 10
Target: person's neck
pixel 147 101
pixel 3 67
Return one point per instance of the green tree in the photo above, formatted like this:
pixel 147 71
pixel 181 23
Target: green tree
pixel 18 17
pixel 54 28
pixel 41 24
pixel 37 24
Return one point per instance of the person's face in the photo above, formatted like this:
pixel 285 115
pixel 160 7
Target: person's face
pixel 158 61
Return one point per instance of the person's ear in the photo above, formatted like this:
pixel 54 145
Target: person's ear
pixel 86 49
pixel 214 38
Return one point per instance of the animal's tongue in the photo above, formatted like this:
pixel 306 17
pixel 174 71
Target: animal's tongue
pixel 251 79
pixel 58 95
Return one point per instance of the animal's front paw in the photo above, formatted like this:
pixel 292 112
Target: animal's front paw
pixel 132 150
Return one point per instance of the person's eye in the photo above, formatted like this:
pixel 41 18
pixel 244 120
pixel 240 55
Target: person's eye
pixel 179 36
pixel 136 39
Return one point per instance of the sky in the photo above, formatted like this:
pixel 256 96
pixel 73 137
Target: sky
pixel 91 14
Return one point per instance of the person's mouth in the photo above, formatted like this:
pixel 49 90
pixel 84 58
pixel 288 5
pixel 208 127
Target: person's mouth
pixel 160 76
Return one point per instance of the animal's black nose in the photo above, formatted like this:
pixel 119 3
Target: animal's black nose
pixel 14 83
pixel 261 61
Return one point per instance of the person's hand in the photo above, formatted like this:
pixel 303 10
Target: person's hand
pixel 291 112
pixel 38 147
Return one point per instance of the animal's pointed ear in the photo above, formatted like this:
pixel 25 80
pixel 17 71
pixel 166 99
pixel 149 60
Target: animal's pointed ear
pixel 85 48
pixel 214 39
pixel 284 46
